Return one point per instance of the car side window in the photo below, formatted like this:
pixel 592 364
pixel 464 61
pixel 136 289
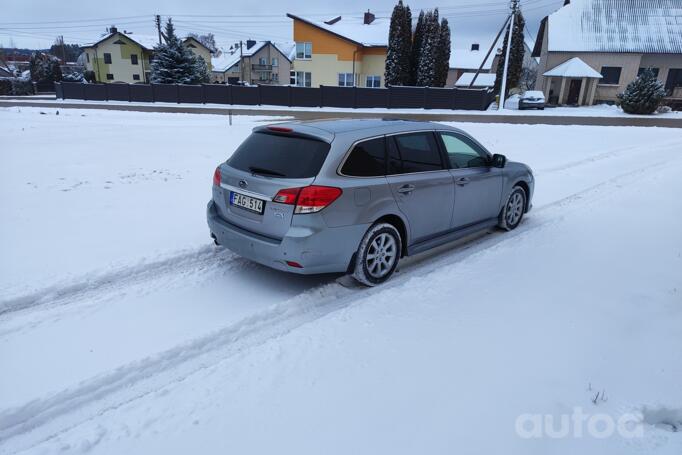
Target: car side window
pixel 414 152
pixel 367 159
pixel 462 152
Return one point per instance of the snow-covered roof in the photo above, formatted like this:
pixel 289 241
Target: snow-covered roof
pixel 354 29
pixel 228 59
pixel 288 49
pixel 468 59
pixel 483 80
pixel 225 61
pixel 647 26
pixel 574 67
pixel 148 42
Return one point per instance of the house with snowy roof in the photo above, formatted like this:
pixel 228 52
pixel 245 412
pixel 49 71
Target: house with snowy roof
pixel 344 51
pixel 590 50
pixel 126 57
pixel 466 61
pixel 254 62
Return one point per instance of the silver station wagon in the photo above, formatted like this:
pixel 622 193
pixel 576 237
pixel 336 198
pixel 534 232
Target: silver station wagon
pixel 355 196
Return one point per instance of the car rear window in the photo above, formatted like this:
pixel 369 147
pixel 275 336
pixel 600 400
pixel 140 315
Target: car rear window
pixel 367 159
pixel 279 155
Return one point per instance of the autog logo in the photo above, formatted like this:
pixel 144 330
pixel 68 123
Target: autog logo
pixel 243 184
pixel 579 424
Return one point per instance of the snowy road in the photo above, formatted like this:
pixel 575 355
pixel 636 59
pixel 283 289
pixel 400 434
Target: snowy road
pixel 123 331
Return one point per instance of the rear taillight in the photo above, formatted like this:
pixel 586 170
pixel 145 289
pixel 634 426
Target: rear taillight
pixel 217 177
pixel 287 196
pixel 280 129
pixel 309 199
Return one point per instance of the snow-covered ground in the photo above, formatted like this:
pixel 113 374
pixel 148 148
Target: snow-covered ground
pixel 123 330
pixel 601 110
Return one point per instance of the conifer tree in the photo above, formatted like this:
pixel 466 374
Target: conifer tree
pixel 417 40
pixel 443 55
pixel 516 54
pixel 399 46
pixel 426 71
pixel 44 68
pixel 643 95
pixel 175 64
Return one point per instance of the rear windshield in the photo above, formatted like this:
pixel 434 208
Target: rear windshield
pixel 280 156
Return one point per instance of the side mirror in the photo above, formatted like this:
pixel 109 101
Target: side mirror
pixel 498 161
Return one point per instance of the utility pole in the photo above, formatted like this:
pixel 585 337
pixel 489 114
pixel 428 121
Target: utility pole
pixel 158 27
pixel 241 61
pixel 503 88
pixel 61 40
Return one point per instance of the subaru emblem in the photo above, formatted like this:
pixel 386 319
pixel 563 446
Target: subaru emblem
pixel 243 184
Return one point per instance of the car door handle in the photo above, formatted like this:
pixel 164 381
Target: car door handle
pixel 406 189
pixel 462 181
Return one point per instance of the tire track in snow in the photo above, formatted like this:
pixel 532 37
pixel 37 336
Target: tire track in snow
pixel 87 286
pixel 611 153
pixel 43 419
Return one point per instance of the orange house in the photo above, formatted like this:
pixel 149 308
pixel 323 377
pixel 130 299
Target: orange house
pixel 344 51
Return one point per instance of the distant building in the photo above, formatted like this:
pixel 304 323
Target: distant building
pixel 590 50
pixel 257 62
pixel 469 59
pixel 344 51
pixel 125 57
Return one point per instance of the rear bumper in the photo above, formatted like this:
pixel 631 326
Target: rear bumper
pixel 318 248
pixel 531 104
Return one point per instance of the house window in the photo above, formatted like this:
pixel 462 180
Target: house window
pixel 373 81
pixel 304 51
pixel 611 75
pixel 300 79
pixel 275 61
pixel 262 61
pixel 275 77
pixel 641 70
pixel 133 59
pixel 110 77
pixel 136 77
pixel 87 57
pixel 107 58
pixel 346 79
pixel 674 79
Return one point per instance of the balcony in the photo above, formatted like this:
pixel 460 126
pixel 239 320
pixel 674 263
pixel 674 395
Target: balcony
pixel 259 67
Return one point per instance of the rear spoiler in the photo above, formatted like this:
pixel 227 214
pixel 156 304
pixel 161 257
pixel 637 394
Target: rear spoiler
pixel 296 130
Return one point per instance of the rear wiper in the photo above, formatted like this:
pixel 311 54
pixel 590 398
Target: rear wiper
pixel 260 170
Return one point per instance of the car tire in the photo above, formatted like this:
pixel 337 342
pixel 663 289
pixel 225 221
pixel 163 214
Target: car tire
pixel 513 210
pixel 378 254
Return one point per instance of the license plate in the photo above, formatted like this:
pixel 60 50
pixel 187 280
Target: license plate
pixel 247 202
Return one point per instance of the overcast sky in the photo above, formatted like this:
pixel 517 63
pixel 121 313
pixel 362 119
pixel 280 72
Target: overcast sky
pixel 36 23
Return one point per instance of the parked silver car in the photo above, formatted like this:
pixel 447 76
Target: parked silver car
pixel 532 99
pixel 357 195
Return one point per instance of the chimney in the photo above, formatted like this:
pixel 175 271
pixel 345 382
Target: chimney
pixel 475 47
pixel 369 18
pixel 333 21
pixel 250 43
pixel 113 29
